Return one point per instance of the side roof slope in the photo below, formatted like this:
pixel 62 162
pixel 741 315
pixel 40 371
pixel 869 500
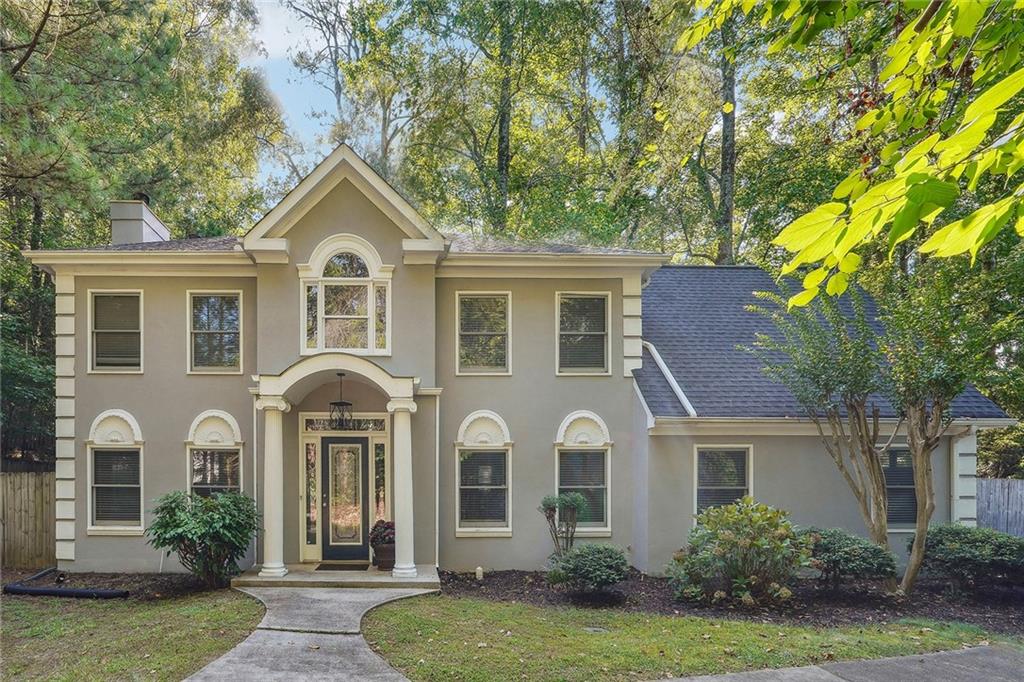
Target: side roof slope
pixel 696 318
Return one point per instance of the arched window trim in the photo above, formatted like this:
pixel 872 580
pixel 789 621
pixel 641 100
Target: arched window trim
pixel 231 439
pixel 115 437
pixel 599 440
pixel 570 419
pixel 487 444
pixel 227 442
pixel 311 275
pixel 486 415
pixel 120 433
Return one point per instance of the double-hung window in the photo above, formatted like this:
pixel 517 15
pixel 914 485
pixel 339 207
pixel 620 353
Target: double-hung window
pixel 483 338
pixel 346 307
pixel 723 475
pixel 586 472
pixel 215 332
pixel 582 333
pixel 116 332
pixel 116 488
pixel 899 487
pixel 215 471
pixel 483 489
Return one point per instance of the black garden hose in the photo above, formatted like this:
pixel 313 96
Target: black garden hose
pixel 76 593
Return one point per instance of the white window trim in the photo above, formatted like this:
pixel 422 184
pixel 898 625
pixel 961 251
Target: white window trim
pixel 488 532
pixel 604 531
pixel 697 447
pixel 140 529
pixel 235 443
pixel 189 368
pixel 899 526
pixel 459 372
pixel 142 332
pixel 313 553
pixel 311 273
pixel 607 333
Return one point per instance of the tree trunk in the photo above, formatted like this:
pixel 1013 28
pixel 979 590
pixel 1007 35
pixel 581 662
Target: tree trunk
pixel 504 160
pixel 922 437
pixel 724 217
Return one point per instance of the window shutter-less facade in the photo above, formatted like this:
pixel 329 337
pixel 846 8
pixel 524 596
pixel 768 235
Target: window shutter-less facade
pixel 584 472
pixel 117 333
pixel 483 489
pixel 899 485
pixel 483 333
pixel 582 333
pixel 722 477
pixel 117 495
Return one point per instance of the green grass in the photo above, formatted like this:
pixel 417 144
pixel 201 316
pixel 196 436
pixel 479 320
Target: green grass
pixel 446 638
pixel 84 639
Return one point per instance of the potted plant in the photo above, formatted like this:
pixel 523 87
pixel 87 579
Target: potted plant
pixel 382 539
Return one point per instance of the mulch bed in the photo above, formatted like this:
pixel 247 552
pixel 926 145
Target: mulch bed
pixel 994 609
pixel 140 586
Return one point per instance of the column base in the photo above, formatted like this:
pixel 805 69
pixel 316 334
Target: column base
pixel 403 571
pixel 272 571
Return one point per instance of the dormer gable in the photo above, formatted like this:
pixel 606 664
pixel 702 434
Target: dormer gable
pixel 267 241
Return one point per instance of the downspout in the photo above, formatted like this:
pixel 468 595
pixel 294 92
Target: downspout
pixel 437 481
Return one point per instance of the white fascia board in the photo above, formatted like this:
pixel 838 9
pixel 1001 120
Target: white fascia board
pixel 673 384
pixel 781 426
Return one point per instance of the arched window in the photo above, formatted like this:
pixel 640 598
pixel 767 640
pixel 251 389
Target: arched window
pixel 115 474
pixel 346 297
pixel 483 475
pixel 583 448
pixel 214 448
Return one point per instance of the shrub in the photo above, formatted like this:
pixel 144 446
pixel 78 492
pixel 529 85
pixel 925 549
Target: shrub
pixel 744 551
pixel 841 555
pixel 561 513
pixel 590 568
pixel 209 534
pixel 973 556
pixel 382 533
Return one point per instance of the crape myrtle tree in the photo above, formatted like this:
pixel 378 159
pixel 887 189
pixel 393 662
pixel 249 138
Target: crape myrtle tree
pixel 924 346
pixel 944 114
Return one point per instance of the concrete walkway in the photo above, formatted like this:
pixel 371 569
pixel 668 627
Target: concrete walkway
pixel 998 663
pixel 308 633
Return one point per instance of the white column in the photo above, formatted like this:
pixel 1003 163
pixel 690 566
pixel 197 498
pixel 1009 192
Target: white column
pixel 273 408
pixel 405 563
pixel 963 489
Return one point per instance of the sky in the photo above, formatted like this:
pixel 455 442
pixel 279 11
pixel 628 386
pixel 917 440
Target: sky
pixel 281 32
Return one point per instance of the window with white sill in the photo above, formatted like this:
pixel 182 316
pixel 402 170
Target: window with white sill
pixel 347 307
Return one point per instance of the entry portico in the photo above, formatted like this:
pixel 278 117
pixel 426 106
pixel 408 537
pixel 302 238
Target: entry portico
pixel 275 396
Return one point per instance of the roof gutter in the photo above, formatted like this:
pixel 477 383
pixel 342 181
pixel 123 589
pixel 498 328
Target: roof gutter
pixel 673 384
pixel 129 262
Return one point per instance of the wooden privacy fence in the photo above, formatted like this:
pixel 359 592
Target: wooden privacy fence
pixel 28 519
pixel 1001 504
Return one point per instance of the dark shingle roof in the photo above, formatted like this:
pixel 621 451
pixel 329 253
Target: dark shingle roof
pixel 190 245
pixel 696 318
pixel 468 243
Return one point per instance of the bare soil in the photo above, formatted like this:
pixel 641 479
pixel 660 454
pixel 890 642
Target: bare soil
pixel 140 586
pixel 994 609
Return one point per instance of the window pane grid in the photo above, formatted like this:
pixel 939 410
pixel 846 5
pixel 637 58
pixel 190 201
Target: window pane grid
pixel 116 331
pixel 116 488
pixel 216 331
pixel 721 477
pixel 585 472
pixel 483 332
pixel 582 333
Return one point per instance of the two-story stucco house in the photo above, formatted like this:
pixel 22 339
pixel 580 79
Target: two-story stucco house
pixel 482 376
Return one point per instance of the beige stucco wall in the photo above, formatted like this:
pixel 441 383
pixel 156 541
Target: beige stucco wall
pixel 164 400
pixel 346 210
pixel 790 472
pixel 533 401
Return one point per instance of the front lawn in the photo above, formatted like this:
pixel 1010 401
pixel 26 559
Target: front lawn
pixel 84 639
pixel 440 637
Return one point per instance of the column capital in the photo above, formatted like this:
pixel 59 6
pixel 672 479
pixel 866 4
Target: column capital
pixel 273 402
pixel 402 405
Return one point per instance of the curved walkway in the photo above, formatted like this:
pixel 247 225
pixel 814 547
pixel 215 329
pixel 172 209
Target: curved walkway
pixel 309 634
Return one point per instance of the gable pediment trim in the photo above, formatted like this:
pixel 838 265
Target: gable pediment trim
pixel 267 239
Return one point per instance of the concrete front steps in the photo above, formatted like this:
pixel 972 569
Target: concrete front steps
pixel 306 575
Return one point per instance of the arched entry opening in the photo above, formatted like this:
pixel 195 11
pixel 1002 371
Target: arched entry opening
pixel 278 394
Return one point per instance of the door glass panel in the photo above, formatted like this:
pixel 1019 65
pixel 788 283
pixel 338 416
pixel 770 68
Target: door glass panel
pixel 346 514
pixel 312 503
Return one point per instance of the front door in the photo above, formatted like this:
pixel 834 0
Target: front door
pixel 346 496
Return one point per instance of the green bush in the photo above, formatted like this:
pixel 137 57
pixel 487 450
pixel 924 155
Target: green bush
pixel 744 551
pixel 209 534
pixel 590 568
pixel 973 556
pixel 840 555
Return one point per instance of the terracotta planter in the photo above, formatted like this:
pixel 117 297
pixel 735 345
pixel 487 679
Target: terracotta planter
pixel 384 556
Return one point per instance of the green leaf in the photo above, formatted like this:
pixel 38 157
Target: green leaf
pixel 968 14
pixel 934 191
pixel 837 284
pixel 849 263
pixel 846 186
pixel 815 277
pixel 802 299
pixel 997 95
pixel 805 229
